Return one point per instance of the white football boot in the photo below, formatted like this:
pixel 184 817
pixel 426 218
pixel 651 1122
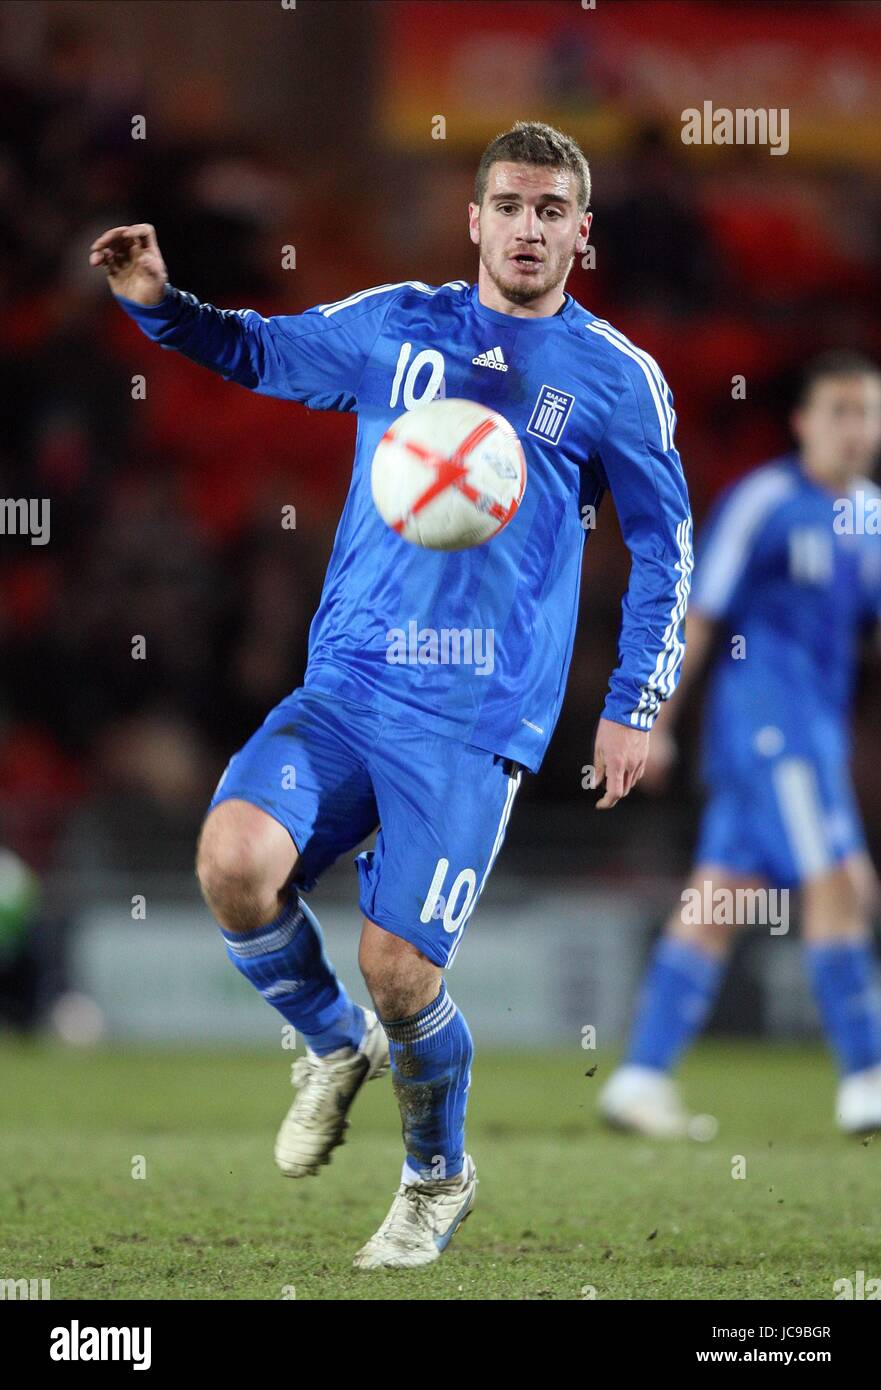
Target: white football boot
pixel 422 1220
pixel 644 1101
pixel 316 1122
pixel 858 1103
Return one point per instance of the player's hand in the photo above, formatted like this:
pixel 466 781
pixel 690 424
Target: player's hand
pixel 662 758
pixel 619 756
pixel 133 261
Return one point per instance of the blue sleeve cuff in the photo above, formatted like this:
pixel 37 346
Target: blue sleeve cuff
pixel 163 312
pixel 617 712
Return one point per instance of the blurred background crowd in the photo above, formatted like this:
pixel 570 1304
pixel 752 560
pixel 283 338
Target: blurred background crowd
pixel 269 126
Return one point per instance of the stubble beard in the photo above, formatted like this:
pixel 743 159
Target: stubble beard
pixel 527 291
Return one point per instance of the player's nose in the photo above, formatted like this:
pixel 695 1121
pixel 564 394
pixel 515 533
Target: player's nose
pixel 530 226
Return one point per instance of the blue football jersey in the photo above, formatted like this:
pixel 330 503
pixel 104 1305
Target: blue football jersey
pixel 593 413
pixel 792 589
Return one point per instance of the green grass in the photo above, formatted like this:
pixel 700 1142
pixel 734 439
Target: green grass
pixel 562 1204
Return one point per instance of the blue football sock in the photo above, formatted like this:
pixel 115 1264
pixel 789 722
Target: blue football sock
pixel 679 990
pixel 431 1055
pixel 844 979
pixel 285 961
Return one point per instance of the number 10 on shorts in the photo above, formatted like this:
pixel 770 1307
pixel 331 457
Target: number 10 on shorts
pixel 438 905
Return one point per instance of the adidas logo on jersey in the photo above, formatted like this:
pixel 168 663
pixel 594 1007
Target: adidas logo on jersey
pixel 493 357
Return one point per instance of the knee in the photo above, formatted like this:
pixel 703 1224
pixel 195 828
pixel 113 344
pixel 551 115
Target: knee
pixel 839 904
pixel 233 872
pixel 706 916
pixel 401 980
pixel 862 887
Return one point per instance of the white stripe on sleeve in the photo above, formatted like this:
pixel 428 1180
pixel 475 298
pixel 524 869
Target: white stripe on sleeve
pixel 727 553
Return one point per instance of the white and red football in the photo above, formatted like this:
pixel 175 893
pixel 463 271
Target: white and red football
pixel 448 475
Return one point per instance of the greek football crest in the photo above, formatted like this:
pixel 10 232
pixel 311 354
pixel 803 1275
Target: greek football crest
pixel 550 414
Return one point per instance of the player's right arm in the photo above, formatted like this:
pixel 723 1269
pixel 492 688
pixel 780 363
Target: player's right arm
pixel 317 357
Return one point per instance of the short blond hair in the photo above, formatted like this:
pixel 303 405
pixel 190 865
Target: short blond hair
pixel 533 142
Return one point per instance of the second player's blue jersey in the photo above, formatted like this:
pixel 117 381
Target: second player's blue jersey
pixel 792 585
pixel 593 413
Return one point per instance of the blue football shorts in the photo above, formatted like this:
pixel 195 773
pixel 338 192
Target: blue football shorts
pixel 787 818
pixel 331 772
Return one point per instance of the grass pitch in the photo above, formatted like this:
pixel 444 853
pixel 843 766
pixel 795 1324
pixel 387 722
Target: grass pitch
pixel 564 1208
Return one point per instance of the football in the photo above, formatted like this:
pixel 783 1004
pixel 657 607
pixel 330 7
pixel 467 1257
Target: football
pixel 448 475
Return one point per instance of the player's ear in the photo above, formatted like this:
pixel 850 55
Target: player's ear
pixel 474 222
pixel 584 232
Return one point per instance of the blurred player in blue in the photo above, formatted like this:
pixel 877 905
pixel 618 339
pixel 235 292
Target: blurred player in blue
pixel 431 754
pixel 787 587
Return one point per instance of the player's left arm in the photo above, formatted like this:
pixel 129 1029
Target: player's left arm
pixel 644 475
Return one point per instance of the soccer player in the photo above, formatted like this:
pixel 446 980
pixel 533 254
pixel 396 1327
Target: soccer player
pixel 431 754
pixel 788 577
